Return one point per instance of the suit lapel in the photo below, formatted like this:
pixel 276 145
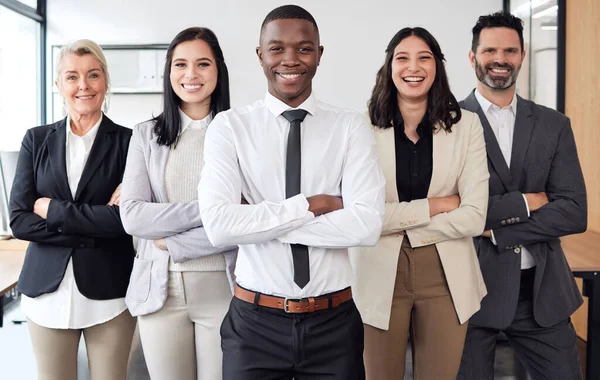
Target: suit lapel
pixel 57 143
pixel 102 144
pixel 443 149
pixel 521 137
pixel 158 162
pixel 386 147
pixel 493 149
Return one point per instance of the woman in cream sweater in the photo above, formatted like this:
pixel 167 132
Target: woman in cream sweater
pixel 180 285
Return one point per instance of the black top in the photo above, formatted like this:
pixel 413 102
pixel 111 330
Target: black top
pixel 414 162
pixel 83 227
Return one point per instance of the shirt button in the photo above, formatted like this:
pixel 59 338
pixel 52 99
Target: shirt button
pixel 517 250
pixel 414 174
pixel 414 152
pixel 60 229
pixel 81 245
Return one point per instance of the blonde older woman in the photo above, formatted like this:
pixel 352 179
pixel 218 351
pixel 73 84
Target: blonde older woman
pixel 65 201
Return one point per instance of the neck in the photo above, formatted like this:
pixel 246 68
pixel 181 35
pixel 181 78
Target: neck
pixel 412 111
pixel 196 111
pixel 294 102
pixel 500 98
pixel 81 124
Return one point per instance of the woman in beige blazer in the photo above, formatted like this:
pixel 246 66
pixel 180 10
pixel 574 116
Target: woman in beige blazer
pixel 423 275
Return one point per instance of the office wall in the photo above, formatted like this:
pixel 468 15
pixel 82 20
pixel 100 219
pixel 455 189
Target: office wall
pixel 354 35
pixel 582 93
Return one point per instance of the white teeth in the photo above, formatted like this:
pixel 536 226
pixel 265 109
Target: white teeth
pixel 85 97
pixel 500 71
pixel 413 79
pixel 191 86
pixel 290 76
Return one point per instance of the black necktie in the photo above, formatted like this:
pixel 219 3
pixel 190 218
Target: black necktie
pixel 292 187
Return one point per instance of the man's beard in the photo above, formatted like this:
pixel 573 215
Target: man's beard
pixel 497 83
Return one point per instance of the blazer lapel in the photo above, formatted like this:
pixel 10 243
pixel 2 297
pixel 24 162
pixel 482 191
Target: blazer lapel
pixel 521 137
pixel 443 149
pixel 386 147
pixel 102 144
pixel 57 146
pixel 157 162
pixel 493 149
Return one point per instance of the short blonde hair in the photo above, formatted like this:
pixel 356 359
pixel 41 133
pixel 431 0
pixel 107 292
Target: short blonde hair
pixel 80 48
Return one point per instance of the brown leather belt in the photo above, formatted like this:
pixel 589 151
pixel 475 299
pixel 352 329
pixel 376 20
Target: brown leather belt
pixel 295 305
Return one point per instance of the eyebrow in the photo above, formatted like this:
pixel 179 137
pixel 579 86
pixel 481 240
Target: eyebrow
pixel 421 52
pixel 198 60
pixel 75 72
pixel 299 43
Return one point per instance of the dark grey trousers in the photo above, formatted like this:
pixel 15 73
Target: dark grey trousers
pixel 548 353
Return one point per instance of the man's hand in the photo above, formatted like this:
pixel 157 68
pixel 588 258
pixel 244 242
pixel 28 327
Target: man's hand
pixel 160 244
pixel 536 201
pixel 323 203
pixel 487 234
pixel 41 207
pixel 443 204
pixel 115 199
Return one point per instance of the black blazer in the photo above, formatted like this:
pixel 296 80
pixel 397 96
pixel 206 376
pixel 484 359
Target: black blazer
pixel 85 227
pixel 544 158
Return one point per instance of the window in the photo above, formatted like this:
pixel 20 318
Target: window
pixel 539 79
pixel 20 107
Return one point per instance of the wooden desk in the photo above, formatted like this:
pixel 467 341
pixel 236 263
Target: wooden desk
pixel 12 254
pixel 583 255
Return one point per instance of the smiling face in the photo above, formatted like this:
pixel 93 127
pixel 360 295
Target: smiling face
pixel 289 53
pixel 413 68
pixel 194 73
pixel 498 58
pixel 82 84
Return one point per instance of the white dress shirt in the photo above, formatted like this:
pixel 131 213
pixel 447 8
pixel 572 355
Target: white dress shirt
pixel 502 121
pixel 244 154
pixel 66 307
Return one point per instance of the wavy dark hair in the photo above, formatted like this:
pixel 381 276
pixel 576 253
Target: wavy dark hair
pixel 442 106
pixel 168 123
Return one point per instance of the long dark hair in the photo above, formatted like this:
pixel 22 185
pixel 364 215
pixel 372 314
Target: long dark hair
pixel 441 104
pixel 168 123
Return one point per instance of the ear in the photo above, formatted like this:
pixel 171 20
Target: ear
pixel 259 55
pixel 472 58
pixel 320 54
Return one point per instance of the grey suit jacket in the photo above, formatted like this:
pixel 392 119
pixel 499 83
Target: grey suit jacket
pixel 544 158
pixel 147 215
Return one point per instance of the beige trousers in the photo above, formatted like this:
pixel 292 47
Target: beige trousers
pixel 182 340
pixel 107 346
pixel 423 305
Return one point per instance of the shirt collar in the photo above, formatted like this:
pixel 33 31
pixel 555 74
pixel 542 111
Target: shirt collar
pixel 188 122
pixel 90 135
pixel 277 107
pixel 486 104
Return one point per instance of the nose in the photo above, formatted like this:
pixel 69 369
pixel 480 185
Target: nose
pixel 413 66
pixel 83 84
pixel 191 72
pixel 290 58
pixel 500 57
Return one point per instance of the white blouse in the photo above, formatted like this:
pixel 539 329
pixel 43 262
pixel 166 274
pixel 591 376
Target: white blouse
pixel 67 308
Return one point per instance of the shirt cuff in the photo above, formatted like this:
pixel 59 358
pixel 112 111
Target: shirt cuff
pixel 526 205
pixel 492 237
pixel 298 204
